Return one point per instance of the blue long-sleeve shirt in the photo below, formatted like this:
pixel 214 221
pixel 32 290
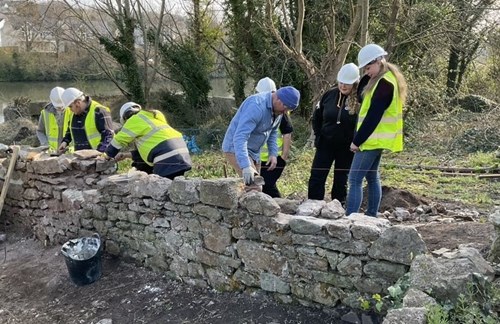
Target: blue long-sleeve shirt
pixel 253 123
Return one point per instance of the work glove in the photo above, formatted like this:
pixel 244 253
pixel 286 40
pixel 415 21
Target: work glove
pixel 249 175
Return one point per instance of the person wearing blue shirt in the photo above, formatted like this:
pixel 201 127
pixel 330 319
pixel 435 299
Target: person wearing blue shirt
pixel 256 122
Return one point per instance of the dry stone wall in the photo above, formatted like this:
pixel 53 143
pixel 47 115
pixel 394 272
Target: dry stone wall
pixel 210 232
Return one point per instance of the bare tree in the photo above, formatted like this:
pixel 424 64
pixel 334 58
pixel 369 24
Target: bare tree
pixel 322 75
pixel 466 39
pixel 27 19
pixel 122 28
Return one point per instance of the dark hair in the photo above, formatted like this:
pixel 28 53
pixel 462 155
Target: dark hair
pixel 130 112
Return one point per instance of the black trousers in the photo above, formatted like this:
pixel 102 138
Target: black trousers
pixel 270 177
pixel 139 163
pixel 326 153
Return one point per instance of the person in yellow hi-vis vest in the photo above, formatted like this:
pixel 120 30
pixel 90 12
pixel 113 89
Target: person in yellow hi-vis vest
pixel 160 149
pixel 90 126
pixel 383 92
pixel 284 142
pixel 53 122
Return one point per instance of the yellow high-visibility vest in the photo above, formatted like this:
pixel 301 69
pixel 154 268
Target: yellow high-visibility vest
pixel 52 128
pixel 148 130
pixel 93 135
pixel 389 132
pixel 264 152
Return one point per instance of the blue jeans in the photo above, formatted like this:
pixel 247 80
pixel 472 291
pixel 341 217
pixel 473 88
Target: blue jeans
pixel 364 165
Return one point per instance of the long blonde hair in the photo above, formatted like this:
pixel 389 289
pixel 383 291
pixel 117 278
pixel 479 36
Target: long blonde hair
pixel 400 79
pixel 353 102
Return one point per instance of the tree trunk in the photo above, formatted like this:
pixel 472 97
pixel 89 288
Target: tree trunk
pixel 391 32
pixel 451 78
pixel 365 13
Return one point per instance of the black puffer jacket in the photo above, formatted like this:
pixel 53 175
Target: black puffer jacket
pixel 331 120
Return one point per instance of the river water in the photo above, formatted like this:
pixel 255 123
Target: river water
pixel 39 91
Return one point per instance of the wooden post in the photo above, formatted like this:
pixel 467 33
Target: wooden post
pixel 12 164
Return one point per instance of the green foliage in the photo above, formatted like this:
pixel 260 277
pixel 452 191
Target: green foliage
pixel 211 133
pixel 477 139
pixel 176 109
pixel 375 302
pixel 255 53
pixel 423 19
pixel 122 49
pixel 190 69
pixel 210 165
pixel 301 130
pixel 397 291
pixel 47 67
pixel 436 314
pixel 364 304
pixel 124 165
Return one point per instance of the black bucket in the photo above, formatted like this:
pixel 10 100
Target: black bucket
pixel 83 259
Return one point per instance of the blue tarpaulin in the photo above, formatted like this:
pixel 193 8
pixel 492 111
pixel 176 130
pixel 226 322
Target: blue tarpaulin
pixel 191 144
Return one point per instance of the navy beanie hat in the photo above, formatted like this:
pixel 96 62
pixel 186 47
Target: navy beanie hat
pixel 289 96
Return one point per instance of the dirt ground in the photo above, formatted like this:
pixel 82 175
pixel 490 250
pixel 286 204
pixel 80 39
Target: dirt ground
pixel 35 288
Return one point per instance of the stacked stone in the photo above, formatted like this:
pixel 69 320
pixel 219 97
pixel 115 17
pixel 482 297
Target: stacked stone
pixel 210 232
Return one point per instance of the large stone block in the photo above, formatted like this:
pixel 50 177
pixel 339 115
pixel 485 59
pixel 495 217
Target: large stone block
pixel 406 315
pixel 311 207
pixel 320 292
pixel 216 238
pixel 367 228
pixel 398 244
pixel 259 203
pixel 72 198
pixel 151 185
pixel 255 256
pixel 270 282
pixel 449 276
pixel 307 224
pixel 51 165
pixel 184 191
pixel 209 212
pixel 222 192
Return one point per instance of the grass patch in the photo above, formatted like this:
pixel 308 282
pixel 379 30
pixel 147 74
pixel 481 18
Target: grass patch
pixel 469 190
pixel 437 142
pixel 431 184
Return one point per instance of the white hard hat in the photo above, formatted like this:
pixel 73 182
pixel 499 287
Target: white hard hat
pixel 55 97
pixel 126 107
pixel 369 53
pixel 69 95
pixel 265 84
pixel 348 74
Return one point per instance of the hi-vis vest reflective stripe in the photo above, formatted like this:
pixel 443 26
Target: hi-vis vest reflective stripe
pixel 52 128
pixel 264 151
pixel 93 135
pixel 389 132
pixel 158 131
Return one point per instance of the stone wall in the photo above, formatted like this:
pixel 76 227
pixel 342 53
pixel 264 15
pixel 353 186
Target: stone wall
pixel 210 232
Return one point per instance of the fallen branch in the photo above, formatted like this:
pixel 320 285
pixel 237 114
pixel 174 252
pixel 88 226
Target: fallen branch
pixel 489 176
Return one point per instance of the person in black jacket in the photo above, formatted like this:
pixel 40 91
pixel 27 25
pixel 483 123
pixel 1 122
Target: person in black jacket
pixel 334 122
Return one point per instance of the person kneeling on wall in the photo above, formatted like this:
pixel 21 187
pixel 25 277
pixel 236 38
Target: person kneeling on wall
pixel 160 148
